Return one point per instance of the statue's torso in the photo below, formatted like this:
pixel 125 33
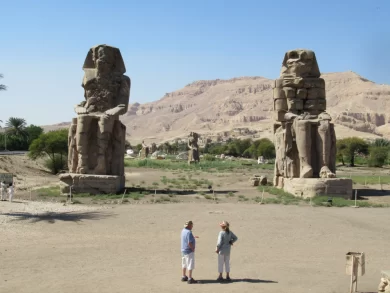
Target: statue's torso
pixel 101 93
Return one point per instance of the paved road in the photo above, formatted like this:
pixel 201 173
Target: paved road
pixel 8 153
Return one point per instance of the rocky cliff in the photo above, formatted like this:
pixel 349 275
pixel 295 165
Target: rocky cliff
pixel 218 108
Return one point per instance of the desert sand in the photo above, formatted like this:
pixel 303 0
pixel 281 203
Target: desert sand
pixel 136 248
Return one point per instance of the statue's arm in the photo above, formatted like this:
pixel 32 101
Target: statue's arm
pixel 80 108
pixel 290 116
pixel 123 98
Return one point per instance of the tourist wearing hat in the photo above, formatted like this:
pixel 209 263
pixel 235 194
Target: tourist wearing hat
pixel 226 238
pixel 188 252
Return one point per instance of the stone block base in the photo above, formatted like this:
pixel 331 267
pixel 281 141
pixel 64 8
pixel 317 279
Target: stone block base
pixel 310 187
pixel 92 184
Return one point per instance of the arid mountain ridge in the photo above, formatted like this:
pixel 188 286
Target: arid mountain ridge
pixel 242 107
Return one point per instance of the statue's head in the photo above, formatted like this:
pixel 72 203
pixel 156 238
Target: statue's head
pixel 300 63
pixel 194 135
pixel 105 59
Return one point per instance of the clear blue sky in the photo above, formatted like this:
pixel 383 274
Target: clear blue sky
pixel 167 44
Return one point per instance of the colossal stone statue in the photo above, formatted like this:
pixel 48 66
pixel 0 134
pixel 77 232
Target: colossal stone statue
pixel 305 139
pixel 144 152
pixel 193 153
pixel 96 136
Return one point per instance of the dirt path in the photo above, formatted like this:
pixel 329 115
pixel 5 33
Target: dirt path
pixel 135 248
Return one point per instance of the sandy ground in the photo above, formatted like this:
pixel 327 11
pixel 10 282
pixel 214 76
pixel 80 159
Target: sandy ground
pixel 48 247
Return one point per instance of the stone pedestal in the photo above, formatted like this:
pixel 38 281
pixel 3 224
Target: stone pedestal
pixel 310 187
pixel 92 184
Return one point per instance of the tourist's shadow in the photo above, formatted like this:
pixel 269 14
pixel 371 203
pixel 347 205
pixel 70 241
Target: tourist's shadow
pixel 245 280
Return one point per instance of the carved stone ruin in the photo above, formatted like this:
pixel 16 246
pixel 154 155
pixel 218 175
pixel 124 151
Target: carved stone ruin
pixel 97 137
pixel 305 139
pixel 257 180
pixel 193 153
pixel 144 152
pixel 384 285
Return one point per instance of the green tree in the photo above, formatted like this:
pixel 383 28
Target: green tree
pixel 16 126
pixel 167 148
pixel 33 132
pixel 138 147
pixel 175 147
pixel 348 148
pixel 127 145
pixel 242 145
pixel 378 156
pixel 20 142
pixel 54 145
pixel 381 142
pixel 266 148
pixel 379 152
pixel 2 86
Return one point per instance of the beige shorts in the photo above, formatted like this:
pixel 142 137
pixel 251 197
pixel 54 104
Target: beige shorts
pixel 188 261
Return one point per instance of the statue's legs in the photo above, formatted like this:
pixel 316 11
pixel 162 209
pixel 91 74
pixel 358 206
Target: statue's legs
pixel 106 126
pixel 324 141
pixel 83 125
pixel 72 147
pixel 303 141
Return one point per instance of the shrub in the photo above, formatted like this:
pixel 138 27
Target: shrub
pixel 208 157
pixel 378 156
pixel 56 163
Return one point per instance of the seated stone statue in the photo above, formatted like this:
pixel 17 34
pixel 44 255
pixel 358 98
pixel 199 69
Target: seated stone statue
pixel 97 137
pixel 144 153
pixel 304 137
pixel 193 153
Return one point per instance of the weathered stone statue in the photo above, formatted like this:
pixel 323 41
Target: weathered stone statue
pixel 96 136
pixel 384 285
pixel 305 139
pixel 144 153
pixel 153 148
pixel 193 153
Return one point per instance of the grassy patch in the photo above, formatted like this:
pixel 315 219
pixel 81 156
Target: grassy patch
pixel 206 196
pixel 53 191
pixel 341 202
pixel 186 182
pixel 230 194
pixel 242 198
pixel 209 166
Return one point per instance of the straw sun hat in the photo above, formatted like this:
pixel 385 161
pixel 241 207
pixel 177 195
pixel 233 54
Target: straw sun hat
pixel 186 224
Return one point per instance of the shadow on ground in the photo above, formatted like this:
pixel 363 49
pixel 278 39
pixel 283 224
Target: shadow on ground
pixel 176 191
pixel 52 217
pixel 236 281
pixel 371 192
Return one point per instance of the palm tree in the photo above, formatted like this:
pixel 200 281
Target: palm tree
pixel 381 142
pixel 2 86
pixel 17 127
